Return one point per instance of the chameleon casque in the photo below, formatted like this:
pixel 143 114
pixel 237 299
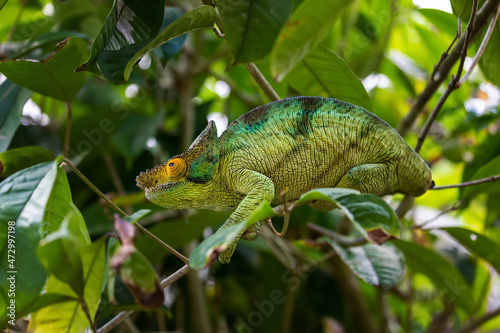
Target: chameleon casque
pixel 297 143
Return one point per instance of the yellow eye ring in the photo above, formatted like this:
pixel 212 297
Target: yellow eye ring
pixel 176 168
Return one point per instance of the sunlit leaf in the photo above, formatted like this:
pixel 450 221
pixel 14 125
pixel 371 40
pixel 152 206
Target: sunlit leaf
pixel 322 73
pixel 14 160
pixel 137 216
pixel 378 265
pixel 24 196
pixel 306 28
pixel 69 316
pixel 251 26
pixel 12 100
pixel 370 215
pixel 480 245
pixel 58 252
pixel 207 251
pixel 129 26
pixel 202 17
pixel 60 206
pixel 441 272
pixel 54 76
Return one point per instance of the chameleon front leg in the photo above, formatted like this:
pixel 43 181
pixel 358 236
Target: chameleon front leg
pixel 367 178
pixel 257 188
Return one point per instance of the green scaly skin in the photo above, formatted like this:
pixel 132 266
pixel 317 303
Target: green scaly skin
pixel 296 143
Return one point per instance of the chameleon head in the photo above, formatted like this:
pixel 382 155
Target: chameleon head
pixel 184 181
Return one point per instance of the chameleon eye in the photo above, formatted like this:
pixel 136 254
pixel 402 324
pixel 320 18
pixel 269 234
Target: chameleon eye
pixel 176 168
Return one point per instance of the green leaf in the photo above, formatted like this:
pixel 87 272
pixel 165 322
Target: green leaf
pixel 489 60
pixel 69 316
pixel 202 17
pixel 137 216
pixel 54 76
pixel 480 245
pixel 491 168
pixel 307 27
pixel 323 73
pixel 251 26
pixel 14 160
pixel 379 265
pixel 12 100
pixel 24 196
pixel 60 207
pixel 129 26
pixel 207 251
pixel 58 252
pixel 440 271
pixel 141 279
pixel 369 214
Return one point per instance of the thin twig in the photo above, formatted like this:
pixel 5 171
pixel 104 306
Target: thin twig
pixel 471 183
pixel 473 324
pixel 425 223
pixel 162 243
pixel 291 297
pixel 338 238
pixel 482 18
pixel 454 80
pixel 94 188
pixel 124 314
pixel 67 135
pixel 262 82
pixel 482 47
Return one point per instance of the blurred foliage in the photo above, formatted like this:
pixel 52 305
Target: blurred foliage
pixel 149 76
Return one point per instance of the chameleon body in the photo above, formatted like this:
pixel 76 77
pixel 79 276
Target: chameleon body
pixel 296 143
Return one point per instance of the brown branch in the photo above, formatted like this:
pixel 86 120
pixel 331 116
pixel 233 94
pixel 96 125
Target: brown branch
pixel 262 82
pixel 454 79
pixel 338 238
pixel 472 325
pixel 471 183
pixel 482 17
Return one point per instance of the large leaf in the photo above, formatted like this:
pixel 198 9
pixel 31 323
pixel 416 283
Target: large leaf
pixel 370 215
pixel 202 17
pixel 58 252
pixel 478 244
pixel 207 251
pixel 14 160
pixel 491 168
pixel 69 316
pixel 251 26
pixel 12 100
pixel 440 271
pixel 323 73
pixel 54 76
pixel 129 26
pixel 378 265
pixel 60 207
pixel 489 60
pixel 306 28
pixel 23 197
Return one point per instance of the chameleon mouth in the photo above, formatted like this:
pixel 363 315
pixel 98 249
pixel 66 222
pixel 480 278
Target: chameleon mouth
pixel 152 177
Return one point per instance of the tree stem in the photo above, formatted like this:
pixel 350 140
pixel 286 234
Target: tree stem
pixel 262 82
pixel 471 183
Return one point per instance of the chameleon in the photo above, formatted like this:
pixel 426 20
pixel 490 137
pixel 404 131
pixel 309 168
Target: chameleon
pixel 298 144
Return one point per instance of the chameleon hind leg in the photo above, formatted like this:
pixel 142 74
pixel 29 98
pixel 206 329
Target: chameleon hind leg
pixel 366 178
pixel 257 188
